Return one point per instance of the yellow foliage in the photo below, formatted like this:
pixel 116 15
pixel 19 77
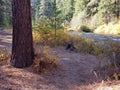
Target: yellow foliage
pixel 49 39
pixel 3 57
pixel 111 28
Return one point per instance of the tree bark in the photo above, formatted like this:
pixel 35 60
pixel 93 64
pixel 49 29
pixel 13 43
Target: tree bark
pixel 22 44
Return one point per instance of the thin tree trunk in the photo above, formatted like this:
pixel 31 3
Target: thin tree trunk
pixel 22 44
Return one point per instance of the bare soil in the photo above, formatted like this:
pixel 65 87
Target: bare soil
pixel 76 71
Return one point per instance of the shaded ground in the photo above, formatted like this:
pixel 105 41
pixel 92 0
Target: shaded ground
pixel 75 72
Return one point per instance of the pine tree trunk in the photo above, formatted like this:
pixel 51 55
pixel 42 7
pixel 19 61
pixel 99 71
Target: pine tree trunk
pixel 22 44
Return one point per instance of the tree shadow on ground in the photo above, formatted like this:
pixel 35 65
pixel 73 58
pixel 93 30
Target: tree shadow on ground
pixel 66 78
pixel 20 79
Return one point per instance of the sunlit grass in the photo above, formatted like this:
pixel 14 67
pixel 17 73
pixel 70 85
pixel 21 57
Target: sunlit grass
pixel 111 28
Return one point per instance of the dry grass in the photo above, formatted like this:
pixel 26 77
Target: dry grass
pixel 4 57
pixel 49 39
pixel 44 60
pixel 113 70
pixel 62 39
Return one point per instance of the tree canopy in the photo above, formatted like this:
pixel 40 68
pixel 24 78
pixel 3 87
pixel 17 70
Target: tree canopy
pixel 102 11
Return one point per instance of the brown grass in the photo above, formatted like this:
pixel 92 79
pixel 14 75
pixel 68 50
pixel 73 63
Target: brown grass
pixel 44 60
pixel 4 58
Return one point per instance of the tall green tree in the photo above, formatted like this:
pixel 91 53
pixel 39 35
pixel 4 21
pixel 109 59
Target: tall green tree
pixel 80 5
pixel 109 9
pixel 7 13
pixel 67 9
pixel 46 9
pixel 1 13
pixel 35 10
pixel 22 44
pixel 92 7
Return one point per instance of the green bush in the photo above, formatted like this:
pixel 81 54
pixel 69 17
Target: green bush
pixel 43 27
pixel 85 28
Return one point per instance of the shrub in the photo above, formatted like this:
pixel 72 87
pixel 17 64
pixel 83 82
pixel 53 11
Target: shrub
pixel 99 50
pixel 43 27
pixel 50 39
pixel 88 46
pixel 84 45
pixel 85 28
pixel 44 60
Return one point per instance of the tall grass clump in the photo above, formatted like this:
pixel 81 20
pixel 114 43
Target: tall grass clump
pixel 112 70
pixel 44 60
pixel 114 52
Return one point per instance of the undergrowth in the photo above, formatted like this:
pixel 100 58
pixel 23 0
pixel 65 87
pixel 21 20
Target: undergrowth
pixel 44 60
pixel 82 44
pixel 112 70
pixel 4 57
pixel 114 55
pixel 50 39
pixel 114 52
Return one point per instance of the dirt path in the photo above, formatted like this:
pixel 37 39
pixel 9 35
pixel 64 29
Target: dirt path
pixel 5 40
pixel 75 72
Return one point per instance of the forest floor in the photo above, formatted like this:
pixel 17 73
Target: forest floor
pixel 76 71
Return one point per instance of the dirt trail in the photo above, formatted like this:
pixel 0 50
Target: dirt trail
pixel 75 72
pixel 5 40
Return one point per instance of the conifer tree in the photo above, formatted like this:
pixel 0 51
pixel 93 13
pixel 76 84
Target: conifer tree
pixel 22 44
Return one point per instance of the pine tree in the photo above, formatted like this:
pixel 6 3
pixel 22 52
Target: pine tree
pixel 45 9
pixel 92 7
pixel 35 10
pixel 80 5
pixel 67 9
pixel 109 9
pixel 1 13
pixel 22 44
